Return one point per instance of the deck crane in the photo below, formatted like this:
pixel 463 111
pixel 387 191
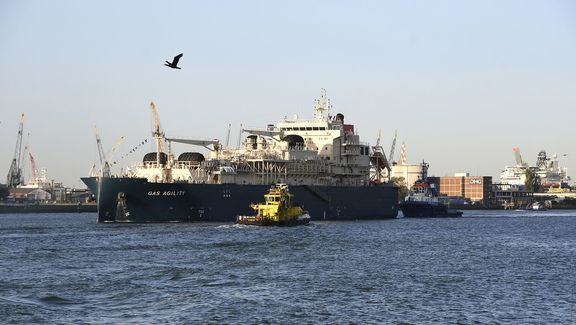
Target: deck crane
pixel 104 166
pixel 157 132
pixel 104 158
pixel 15 173
pixel 110 154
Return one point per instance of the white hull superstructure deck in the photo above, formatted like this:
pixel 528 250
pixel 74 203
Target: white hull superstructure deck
pixel 322 151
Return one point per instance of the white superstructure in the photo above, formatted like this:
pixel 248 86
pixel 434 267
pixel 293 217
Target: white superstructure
pixel 321 151
pixel 548 169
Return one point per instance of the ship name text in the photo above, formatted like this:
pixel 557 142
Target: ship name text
pixel 166 193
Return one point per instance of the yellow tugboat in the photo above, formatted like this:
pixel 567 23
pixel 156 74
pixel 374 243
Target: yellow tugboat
pixel 277 210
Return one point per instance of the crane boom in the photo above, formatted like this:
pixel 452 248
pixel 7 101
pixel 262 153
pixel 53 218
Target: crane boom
pixel 112 151
pixel 518 156
pixel 391 155
pixel 157 132
pixel 15 173
pixel 34 170
pixel 104 166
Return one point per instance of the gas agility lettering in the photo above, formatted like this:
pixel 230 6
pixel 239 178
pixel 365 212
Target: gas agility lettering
pixel 166 193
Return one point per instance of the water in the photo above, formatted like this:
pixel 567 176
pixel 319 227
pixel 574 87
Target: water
pixel 489 267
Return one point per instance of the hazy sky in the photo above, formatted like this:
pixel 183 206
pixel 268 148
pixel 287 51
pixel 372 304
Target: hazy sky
pixel 463 82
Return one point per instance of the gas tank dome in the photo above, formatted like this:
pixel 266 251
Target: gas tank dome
pixel 294 141
pixel 191 157
pixel 251 142
pixel 151 158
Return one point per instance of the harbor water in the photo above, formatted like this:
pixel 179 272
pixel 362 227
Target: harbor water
pixel 488 267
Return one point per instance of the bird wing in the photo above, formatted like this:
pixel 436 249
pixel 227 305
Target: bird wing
pixel 177 58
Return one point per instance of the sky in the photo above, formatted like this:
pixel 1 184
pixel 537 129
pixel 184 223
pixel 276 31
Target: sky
pixel 462 82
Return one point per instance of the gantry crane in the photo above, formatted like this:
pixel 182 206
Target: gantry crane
pixel 379 161
pixel 15 173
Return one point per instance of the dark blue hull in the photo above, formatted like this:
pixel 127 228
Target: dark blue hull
pixel 137 200
pixel 418 209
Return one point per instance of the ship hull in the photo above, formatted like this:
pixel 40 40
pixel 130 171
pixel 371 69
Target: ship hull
pixel 137 200
pixel 416 209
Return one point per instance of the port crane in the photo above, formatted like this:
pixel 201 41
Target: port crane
pixel 15 173
pixel 34 170
pixel 518 156
pixel 391 155
pixel 379 161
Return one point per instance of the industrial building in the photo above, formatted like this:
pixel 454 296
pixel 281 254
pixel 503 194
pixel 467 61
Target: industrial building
pixel 476 189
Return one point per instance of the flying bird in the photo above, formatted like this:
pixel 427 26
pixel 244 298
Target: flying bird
pixel 174 63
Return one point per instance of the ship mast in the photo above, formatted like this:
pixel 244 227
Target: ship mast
pixel 322 107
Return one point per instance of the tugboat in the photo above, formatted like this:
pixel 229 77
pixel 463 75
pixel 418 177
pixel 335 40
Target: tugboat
pixel 423 200
pixel 278 209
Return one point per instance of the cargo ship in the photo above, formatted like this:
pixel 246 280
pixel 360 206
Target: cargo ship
pixel 322 160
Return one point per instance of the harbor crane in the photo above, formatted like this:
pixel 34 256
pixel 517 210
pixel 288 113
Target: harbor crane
pixel 391 155
pixel 379 161
pixel 15 173
pixel 518 157
pixel 34 170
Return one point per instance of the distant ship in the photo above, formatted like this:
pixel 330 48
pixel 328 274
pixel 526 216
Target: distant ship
pixel 322 160
pixel 423 200
pixel 547 169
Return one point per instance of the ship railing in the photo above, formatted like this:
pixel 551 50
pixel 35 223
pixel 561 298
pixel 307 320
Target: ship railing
pixel 187 164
